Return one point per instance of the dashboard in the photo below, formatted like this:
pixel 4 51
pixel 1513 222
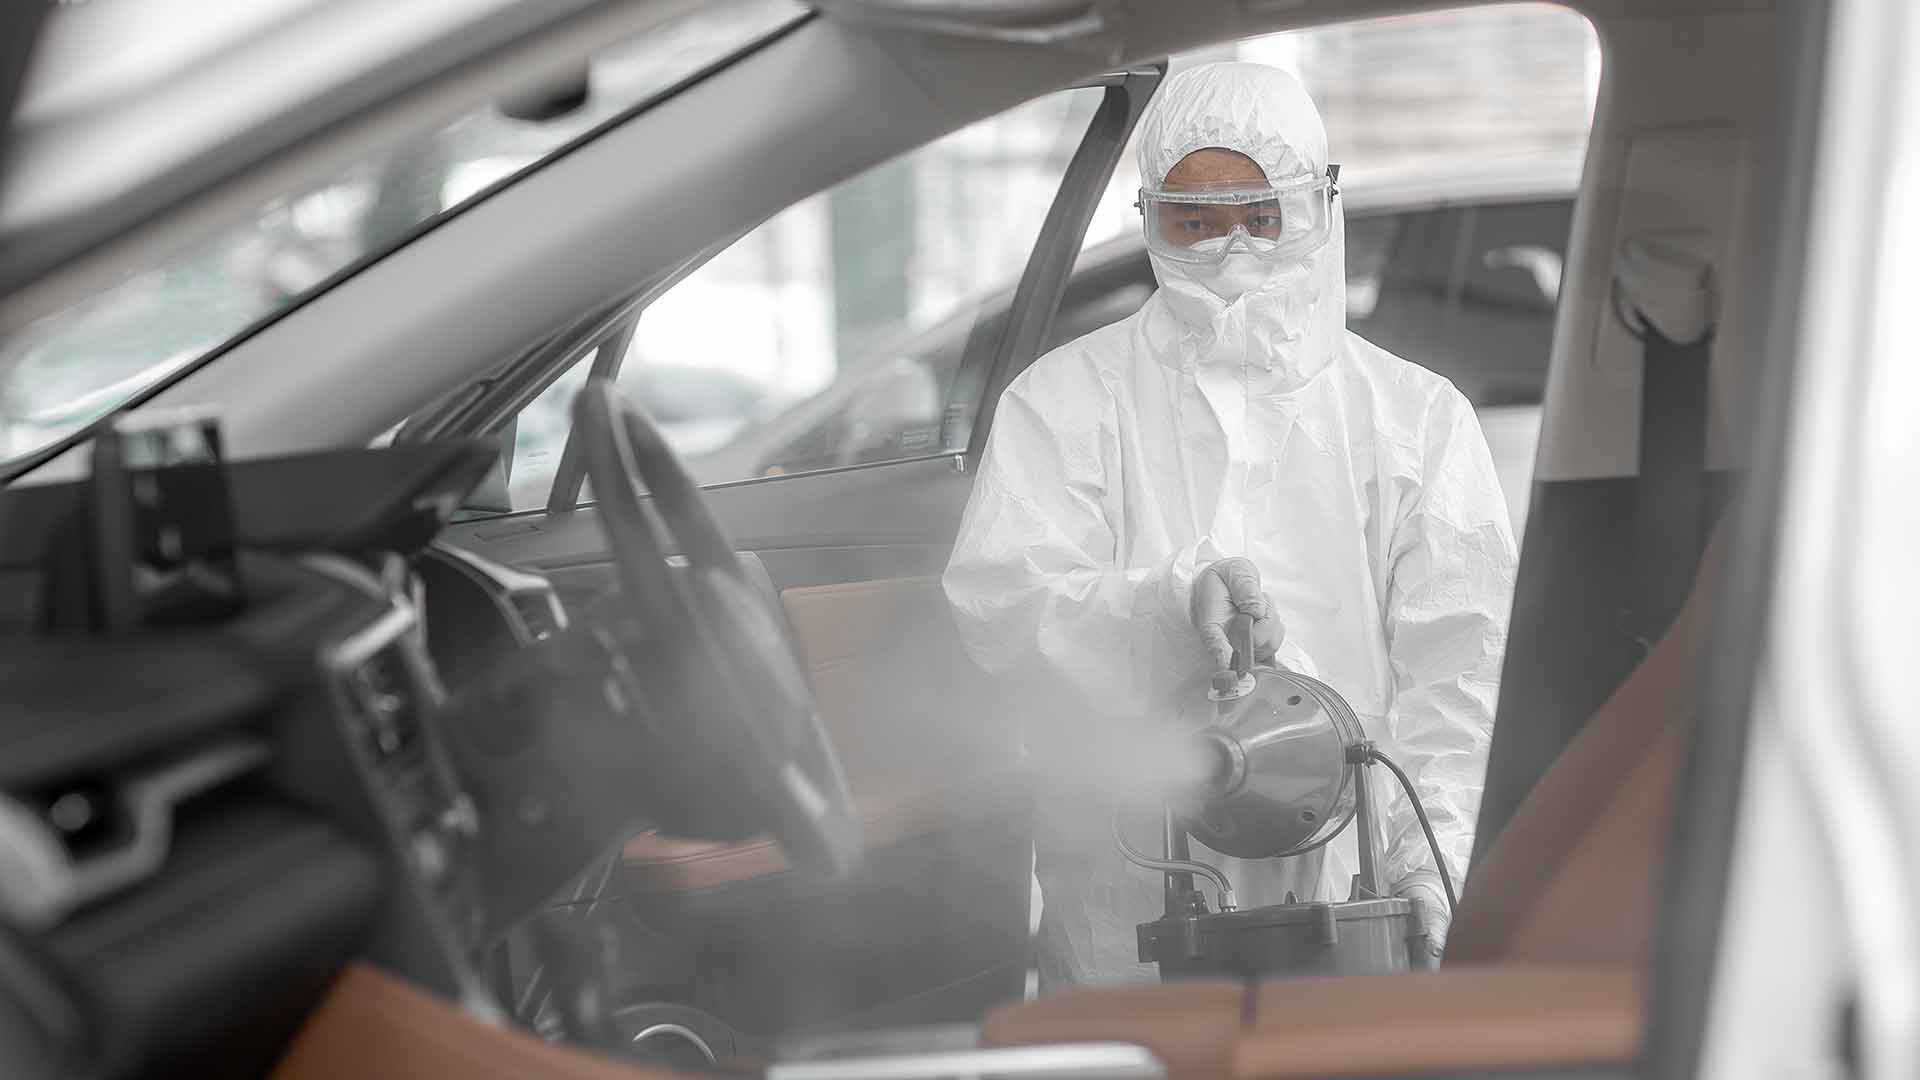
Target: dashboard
pixel 200 826
pixel 305 831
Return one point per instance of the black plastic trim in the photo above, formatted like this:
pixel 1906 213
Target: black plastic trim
pixel 572 471
pixel 1036 300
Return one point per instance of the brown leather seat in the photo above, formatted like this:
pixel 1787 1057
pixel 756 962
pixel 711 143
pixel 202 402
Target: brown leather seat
pixel 1548 955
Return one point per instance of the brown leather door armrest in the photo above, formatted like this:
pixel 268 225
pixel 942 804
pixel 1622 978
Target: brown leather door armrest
pixel 904 808
pixel 1462 1020
pixel 373 1026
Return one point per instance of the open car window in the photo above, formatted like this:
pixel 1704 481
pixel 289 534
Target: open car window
pixel 833 334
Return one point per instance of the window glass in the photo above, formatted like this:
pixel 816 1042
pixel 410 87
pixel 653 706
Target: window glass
pixel 1369 240
pixel 1467 292
pixel 540 436
pixel 1515 256
pixel 1415 288
pixel 66 370
pixel 833 333
pixel 1489 91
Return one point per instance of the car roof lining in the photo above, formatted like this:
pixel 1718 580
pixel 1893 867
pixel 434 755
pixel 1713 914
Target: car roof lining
pixel 456 301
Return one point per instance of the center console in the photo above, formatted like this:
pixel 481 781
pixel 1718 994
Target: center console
pixel 385 693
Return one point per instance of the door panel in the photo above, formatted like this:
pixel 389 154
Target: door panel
pixel 936 923
pixel 901 699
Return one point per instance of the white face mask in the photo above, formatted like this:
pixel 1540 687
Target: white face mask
pixel 1285 296
pixel 1235 276
pixel 1240 272
pixel 1237 271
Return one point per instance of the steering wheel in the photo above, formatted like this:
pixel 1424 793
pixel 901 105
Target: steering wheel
pixel 718 674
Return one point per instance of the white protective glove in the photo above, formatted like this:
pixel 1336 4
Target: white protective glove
pixel 1434 915
pixel 1227 588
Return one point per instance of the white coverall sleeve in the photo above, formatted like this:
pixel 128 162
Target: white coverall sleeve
pixel 1034 579
pixel 1449 591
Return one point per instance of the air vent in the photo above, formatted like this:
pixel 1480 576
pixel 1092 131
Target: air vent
pixel 540 614
pixel 53 865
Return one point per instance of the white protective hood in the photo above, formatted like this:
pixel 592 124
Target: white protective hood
pixel 1124 462
pixel 1284 329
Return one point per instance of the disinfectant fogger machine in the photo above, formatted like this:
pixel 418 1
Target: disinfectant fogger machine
pixel 1286 770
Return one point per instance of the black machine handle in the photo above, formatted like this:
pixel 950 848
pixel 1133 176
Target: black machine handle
pixel 1240 634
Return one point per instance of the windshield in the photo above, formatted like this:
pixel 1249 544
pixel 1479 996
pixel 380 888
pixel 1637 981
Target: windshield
pixel 65 371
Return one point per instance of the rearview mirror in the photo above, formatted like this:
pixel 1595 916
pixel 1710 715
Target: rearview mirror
pixel 550 98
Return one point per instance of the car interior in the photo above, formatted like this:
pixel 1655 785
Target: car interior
pixel 656 779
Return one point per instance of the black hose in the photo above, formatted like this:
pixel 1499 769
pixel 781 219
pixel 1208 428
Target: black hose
pixel 1426 826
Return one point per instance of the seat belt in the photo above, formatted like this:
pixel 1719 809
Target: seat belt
pixel 1666 282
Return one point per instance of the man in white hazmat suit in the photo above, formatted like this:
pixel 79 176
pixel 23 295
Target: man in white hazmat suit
pixel 1232 447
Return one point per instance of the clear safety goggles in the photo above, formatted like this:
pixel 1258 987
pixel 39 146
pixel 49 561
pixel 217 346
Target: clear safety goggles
pixel 1204 223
